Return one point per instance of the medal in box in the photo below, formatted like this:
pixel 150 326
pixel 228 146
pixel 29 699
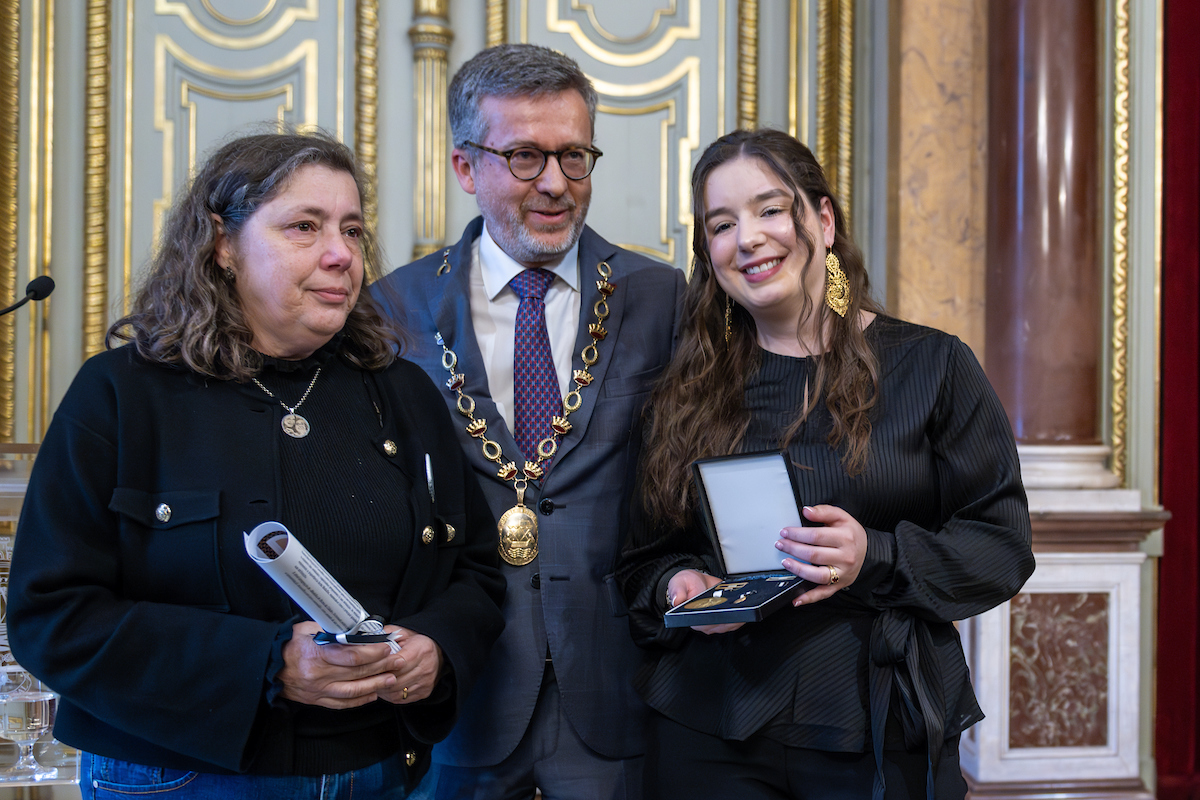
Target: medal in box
pixel 745 500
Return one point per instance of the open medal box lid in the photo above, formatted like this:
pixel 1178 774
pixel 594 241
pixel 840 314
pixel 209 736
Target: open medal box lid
pixel 744 502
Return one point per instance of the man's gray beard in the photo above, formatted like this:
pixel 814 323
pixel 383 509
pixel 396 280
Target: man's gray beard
pixel 526 248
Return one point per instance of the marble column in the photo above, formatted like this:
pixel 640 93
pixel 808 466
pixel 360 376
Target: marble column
pixel 1057 668
pixel 1044 291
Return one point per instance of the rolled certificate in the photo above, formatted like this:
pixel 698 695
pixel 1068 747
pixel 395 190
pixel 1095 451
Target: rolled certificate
pixel 274 548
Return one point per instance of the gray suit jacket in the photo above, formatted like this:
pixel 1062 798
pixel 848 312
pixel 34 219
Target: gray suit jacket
pixel 566 602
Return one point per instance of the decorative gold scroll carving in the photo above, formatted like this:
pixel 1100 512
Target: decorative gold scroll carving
pixel 286 19
pixel 670 36
pixel 1120 241
pixel 747 77
pixel 96 165
pixel 366 96
pixel 497 22
pixel 10 72
pixel 835 96
pixel 431 36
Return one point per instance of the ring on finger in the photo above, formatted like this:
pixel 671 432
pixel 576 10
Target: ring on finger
pixel 404 693
pixel 833 575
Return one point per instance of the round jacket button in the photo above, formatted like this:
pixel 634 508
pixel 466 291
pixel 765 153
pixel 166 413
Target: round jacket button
pixel 410 758
pixel 450 532
pixel 427 535
pixel 546 506
pixel 163 513
pixel 536 580
pixel 389 447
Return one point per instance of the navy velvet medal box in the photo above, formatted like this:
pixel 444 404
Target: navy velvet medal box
pixel 744 502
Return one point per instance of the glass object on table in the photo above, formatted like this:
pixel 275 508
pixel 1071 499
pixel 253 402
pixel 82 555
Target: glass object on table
pixel 27 708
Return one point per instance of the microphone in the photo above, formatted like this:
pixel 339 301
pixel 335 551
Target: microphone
pixel 38 289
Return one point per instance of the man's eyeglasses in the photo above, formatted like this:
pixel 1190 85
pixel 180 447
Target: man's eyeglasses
pixel 526 163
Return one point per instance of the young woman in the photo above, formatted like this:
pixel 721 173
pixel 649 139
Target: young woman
pixel 915 512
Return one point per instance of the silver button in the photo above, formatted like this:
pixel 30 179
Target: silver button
pixel 163 513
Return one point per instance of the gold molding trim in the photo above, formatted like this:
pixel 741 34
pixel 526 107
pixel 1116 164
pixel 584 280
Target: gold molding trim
pixel 747 68
pixel 217 15
pixel 1120 240
pixel 431 36
pixel 835 96
pixel 655 21
pixel 687 73
pixel 304 53
pixel 673 34
pixel 669 105
pixel 10 99
pixel 366 96
pixel 167 8
pixel 96 166
pixel 497 18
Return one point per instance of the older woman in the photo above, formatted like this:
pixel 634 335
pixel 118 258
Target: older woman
pixel 915 511
pixel 259 383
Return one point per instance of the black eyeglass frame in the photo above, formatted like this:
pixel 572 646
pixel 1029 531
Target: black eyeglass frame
pixel 508 154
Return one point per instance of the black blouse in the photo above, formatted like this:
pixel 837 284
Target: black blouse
pixel 948 537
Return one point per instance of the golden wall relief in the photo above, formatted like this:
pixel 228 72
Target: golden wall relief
pixel 10 71
pixel 1059 670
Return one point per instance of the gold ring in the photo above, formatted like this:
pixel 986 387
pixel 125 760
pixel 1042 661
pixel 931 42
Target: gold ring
pixel 404 693
pixel 833 575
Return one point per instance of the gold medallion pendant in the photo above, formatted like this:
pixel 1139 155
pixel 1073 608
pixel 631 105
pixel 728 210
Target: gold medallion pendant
pixel 518 535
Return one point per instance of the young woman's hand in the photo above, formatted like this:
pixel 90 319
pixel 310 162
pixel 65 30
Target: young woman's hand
pixel 830 555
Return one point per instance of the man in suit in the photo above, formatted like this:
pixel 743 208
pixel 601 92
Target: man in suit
pixel 546 339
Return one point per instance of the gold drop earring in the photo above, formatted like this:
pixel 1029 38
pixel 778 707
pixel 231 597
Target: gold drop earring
pixel 837 288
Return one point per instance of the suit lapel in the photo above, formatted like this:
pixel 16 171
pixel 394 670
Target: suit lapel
pixel 592 250
pixel 450 306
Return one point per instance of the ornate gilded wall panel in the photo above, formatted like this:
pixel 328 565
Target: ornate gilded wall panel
pixel 193 72
pixel 673 75
pixel 666 74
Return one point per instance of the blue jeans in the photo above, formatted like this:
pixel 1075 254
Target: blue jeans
pixel 102 778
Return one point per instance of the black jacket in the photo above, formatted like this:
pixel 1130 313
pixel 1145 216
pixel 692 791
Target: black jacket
pixel 159 635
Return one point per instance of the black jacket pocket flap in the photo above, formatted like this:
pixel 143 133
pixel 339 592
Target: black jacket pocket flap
pixel 165 510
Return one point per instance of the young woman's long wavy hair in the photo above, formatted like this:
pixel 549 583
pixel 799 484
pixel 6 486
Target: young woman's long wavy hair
pixel 187 311
pixel 697 409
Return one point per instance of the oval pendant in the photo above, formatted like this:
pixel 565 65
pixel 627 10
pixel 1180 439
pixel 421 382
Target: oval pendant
pixel 518 535
pixel 295 426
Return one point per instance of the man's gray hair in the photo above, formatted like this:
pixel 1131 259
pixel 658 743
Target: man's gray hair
pixel 511 70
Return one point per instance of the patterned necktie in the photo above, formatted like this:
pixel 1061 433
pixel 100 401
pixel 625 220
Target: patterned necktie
pixel 536 397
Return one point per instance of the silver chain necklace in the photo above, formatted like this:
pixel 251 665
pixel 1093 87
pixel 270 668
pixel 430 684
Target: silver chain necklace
pixel 293 424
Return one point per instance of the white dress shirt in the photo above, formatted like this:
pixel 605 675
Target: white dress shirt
pixel 494 315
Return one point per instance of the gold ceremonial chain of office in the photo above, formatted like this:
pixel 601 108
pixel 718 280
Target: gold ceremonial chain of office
pixel 559 425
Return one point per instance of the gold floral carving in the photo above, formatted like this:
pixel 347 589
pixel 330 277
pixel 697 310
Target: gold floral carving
pixel 835 95
pixel 10 71
pixel 96 165
pixel 366 132
pixel 747 70
pixel 1120 240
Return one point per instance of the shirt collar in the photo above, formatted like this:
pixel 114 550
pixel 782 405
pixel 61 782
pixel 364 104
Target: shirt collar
pixel 498 267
